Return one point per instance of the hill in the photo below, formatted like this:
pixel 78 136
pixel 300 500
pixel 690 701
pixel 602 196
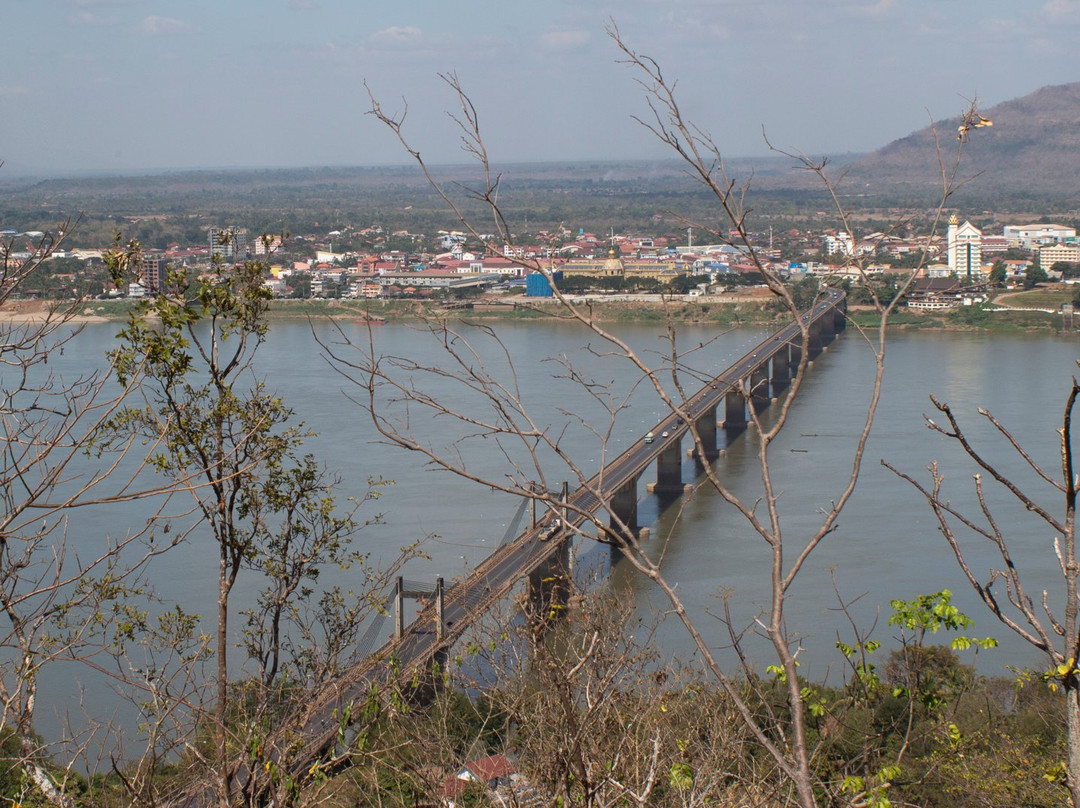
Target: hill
pixel 1031 155
pixel 595 195
pixel 1027 162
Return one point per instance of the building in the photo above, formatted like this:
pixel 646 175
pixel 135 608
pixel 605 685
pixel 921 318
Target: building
pixel 230 244
pixel 615 267
pixel 839 244
pixel 965 250
pixel 486 775
pixel 993 245
pixel 436 279
pixel 153 271
pixel 934 294
pixel 536 284
pixel 1050 254
pixel 330 257
pixel 612 267
pixel 268 244
pixel 1030 236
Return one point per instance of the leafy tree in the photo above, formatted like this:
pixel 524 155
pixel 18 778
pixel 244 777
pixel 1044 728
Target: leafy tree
pixel 1065 269
pixel 576 284
pixel 909 260
pixel 998 273
pixel 301 284
pixel 267 510
pixel 1034 275
pixel 684 283
pixel 917 669
pixel 805 291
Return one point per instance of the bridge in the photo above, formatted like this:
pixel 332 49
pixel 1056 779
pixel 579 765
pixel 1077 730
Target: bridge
pixel 416 650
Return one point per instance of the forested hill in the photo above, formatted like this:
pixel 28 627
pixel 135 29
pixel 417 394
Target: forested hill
pixel 1032 152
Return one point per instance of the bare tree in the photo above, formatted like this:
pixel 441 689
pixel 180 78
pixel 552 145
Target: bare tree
pixel 1051 629
pixel 61 603
pixel 488 409
pixel 588 711
pixel 603 720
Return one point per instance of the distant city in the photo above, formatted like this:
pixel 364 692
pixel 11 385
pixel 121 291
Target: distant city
pixel 956 268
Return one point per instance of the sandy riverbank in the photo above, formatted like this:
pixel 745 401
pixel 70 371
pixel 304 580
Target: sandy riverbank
pixel 726 311
pixel 37 311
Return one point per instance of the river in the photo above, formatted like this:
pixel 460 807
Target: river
pixel 886 545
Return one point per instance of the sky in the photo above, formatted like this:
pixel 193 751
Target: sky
pixel 146 85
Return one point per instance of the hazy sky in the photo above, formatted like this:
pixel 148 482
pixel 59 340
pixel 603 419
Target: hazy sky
pixel 106 85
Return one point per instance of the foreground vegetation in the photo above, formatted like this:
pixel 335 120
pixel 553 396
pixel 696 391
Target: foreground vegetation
pixel 588 715
pixel 597 718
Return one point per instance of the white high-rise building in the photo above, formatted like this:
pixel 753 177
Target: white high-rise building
pixel 229 243
pixel 965 250
pixel 840 243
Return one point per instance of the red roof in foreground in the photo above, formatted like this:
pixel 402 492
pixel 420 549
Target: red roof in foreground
pixel 489 768
pixel 483 770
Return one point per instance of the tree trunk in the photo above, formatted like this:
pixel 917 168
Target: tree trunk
pixel 1072 708
pixel 220 710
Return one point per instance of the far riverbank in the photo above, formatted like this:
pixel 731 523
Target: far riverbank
pixel 750 307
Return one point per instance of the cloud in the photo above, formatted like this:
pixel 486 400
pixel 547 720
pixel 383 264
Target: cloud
pixel 302 5
pixel 1062 10
pixel 565 40
pixel 694 31
pixel 160 26
pixel 88 18
pixel 6 90
pixel 397 37
pixel 879 8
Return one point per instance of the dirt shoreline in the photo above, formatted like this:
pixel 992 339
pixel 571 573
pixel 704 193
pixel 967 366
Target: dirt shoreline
pixel 721 313
pixel 25 312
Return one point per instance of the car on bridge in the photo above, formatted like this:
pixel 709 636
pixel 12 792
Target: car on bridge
pixel 552 529
pixel 648 437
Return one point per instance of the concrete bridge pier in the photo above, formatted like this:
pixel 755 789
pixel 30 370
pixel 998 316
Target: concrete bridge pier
pixel 794 357
pixel 669 470
pixel 734 411
pixel 440 619
pixel 423 687
pixel 705 424
pixel 781 368
pixel 759 387
pixel 816 341
pixel 623 509
pixel 828 327
pixel 840 316
pixel 549 584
